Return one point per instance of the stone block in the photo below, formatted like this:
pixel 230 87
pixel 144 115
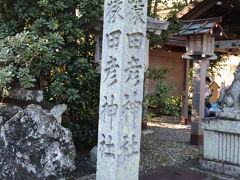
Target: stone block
pixel 221 146
pixel 33 145
pixel 57 112
pixel 221 168
pixel 121 92
pixel 8 111
pixel 93 156
pixel 28 95
pixel 222 124
pixel 146 132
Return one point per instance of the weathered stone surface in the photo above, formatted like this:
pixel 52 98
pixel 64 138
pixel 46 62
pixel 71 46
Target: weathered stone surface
pixel 221 168
pixel 121 93
pixel 9 111
pixel 221 140
pixel 93 156
pixel 230 99
pixel 57 111
pixel 221 146
pixel 33 145
pixel 3 120
pixel 221 125
pixel 28 95
pixel 90 177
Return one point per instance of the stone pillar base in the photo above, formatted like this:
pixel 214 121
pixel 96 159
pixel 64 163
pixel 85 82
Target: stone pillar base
pixel 221 146
pixel 196 139
pixel 221 168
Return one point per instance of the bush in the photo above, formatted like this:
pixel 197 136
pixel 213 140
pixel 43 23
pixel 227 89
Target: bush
pixel 45 40
pixel 161 103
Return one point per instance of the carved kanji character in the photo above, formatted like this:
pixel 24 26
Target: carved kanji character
pixel 106 146
pixel 135 40
pixel 111 71
pixel 109 109
pixel 113 39
pixel 137 11
pixel 129 146
pixel 133 71
pixel 131 108
pixel 114 9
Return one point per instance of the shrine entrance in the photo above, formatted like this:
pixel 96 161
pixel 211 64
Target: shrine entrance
pixel 213 26
pixel 207 30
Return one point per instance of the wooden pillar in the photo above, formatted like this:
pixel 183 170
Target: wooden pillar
pixel 198 100
pixel 184 111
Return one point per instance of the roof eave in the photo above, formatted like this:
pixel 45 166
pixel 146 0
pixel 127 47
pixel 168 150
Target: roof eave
pixel 188 8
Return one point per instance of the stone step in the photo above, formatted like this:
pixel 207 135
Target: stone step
pixel 212 175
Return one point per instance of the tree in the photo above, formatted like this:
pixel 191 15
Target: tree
pixel 154 6
pixel 45 39
pixel 154 9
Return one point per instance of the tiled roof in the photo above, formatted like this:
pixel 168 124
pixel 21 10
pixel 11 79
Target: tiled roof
pixel 153 25
pixel 202 26
pixel 156 26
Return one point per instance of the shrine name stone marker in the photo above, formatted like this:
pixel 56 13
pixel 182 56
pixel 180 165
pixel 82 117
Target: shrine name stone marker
pixel 121 93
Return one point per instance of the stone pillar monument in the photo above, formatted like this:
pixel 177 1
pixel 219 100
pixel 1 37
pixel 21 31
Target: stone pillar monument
pixel 121 94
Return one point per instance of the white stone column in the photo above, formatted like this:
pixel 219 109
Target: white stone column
pixel 121 93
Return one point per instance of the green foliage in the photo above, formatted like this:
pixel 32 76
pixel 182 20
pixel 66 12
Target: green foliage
pixel 24 51
pixel 156 74
pixel 214 67
pixel 90 14
pixel 174 24
pixel 6 75
pixel 25 78
pixel 161 103
pixel 159 40
pixel 217 65
pixel 46 40
pixel 177 6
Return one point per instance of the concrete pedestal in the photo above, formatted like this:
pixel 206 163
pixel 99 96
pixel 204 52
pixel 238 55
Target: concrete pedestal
pixel 221 146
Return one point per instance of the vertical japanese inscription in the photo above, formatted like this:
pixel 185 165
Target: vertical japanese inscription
pixel 121 89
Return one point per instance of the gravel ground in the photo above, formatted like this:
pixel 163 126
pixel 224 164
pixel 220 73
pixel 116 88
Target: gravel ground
pixel 168 145
pixel 82 167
